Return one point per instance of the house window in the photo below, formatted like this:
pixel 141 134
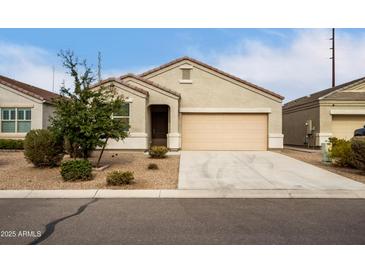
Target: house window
pixel 24 119
pixel 123 114
pixel 16 120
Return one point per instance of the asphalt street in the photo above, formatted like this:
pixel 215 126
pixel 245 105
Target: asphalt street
pixel 182 221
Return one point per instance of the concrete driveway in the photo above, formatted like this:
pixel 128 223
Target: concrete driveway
pixel 255 170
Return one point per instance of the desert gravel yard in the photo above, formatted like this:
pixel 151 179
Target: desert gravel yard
pixel 16 173
pixel 315 158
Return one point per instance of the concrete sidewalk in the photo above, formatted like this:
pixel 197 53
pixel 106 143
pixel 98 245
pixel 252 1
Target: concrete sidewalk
pixel 175 193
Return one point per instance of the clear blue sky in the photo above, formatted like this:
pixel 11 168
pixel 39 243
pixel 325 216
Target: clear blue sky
pixel 259 52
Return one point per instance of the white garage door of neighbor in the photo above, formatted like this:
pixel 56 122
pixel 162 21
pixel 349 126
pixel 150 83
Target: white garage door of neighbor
pixel 343 126
pixel 224 131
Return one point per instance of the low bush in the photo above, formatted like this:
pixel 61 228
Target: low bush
pixel 341 152
pixel 158 151
pixel 152 166
pixel 358 148
pixel 76 170
pixel 42 148
pixel 11 144
pixel 119 178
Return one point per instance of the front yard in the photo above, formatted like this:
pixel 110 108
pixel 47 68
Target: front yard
pixel 315 158
pixel 16 173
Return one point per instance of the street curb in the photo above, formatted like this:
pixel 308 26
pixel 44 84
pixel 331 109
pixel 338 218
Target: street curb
pixel 183 193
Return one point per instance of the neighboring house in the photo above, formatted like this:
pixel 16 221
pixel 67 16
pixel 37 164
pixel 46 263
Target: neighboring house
pixel 189 105
pixel 23 107
pixel 331 112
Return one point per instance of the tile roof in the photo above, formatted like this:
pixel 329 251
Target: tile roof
pixel 345 95
pixel 186 58
pixel 150 83
pixel 33 91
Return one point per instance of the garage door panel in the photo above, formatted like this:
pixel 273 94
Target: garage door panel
pixel 343 126
pixel 224 131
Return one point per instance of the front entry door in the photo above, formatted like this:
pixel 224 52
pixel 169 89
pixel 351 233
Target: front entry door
pixel 159 125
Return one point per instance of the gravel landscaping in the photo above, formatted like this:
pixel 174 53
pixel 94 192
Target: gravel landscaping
pixel 16 173
pixel 315 158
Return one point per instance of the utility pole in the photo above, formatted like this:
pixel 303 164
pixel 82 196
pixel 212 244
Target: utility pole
pixel 333 59
pixel 99 66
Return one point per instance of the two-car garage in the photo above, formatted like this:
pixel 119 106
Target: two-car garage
pixel 343 126
pixel 224 131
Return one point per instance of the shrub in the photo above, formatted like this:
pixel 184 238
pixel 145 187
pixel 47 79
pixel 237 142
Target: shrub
pixel 358 148
pixel 152 166
pixel 119 177
pixel 158 151
pixel 42 148
pixel 76 170
pixel 341 152
pixel 11 144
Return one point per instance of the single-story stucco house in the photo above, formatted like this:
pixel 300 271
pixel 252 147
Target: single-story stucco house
pixel 186 104
pixel 333 112
pixel 23 107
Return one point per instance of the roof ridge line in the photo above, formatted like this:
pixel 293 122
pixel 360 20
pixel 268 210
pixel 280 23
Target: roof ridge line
pixel 211 68
pixel 327 92
pixel 12 79
pixel 109 79
pixel 343 86
pixel 28 89
pixel 150 83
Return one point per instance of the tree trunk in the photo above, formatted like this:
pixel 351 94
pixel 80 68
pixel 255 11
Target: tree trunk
pixel 74 151
pixel 101 152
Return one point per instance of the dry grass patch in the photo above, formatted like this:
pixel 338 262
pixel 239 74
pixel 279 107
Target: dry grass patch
pixel 315 158
pixel 16 173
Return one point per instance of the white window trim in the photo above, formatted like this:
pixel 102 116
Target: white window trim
pixel 16 119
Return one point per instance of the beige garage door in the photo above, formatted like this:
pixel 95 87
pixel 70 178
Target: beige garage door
pixel 343 126
pixel 224 131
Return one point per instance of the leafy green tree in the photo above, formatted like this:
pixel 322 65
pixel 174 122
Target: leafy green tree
pixel 84 114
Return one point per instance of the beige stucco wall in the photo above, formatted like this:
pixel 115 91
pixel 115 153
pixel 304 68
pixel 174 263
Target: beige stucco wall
pixel 137 102
pixel 294 128
pixel 47 114
pixel 137 138
pixel 13 98
pixel 158 96
pixel 212 90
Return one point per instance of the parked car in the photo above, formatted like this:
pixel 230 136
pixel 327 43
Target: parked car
pixel 360 132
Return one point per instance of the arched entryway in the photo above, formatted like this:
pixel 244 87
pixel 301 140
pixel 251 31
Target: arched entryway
pixel 159 124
